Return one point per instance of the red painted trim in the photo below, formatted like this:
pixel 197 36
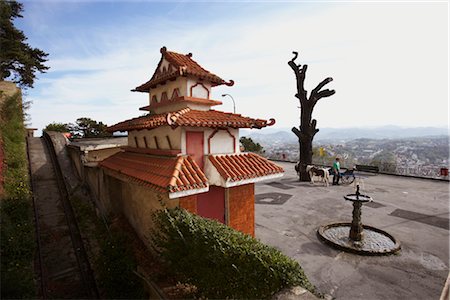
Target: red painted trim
pixel 168 141
pixel 209 139
pixel 156 142
pixel 199 83
pixel 214 133
pixel 175 94
pixel 162 152
pixel 164 97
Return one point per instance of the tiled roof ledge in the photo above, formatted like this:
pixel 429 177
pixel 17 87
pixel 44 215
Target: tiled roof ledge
pixel 229 184
pixel 224 171
pixel 188 193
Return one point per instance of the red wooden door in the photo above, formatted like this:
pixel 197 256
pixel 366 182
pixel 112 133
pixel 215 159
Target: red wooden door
pixel 194 146
pixel 212 204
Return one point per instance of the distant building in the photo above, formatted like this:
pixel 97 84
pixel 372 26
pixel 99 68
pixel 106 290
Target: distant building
pixel 184 153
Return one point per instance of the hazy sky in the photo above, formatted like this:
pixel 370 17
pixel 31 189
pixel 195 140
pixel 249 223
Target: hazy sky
pixel 389 60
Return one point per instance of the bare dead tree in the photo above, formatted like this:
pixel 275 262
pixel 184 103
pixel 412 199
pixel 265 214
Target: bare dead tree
pixel 308 128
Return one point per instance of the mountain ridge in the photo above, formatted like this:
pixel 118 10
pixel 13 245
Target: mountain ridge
pixel 284 135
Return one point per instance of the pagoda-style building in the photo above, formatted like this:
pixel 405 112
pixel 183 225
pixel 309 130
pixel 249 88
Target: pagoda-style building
pixel 184 153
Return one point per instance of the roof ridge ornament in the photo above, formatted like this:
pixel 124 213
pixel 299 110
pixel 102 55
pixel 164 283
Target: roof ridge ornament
pixel 271 122
pixel 229 83
pixel 163 50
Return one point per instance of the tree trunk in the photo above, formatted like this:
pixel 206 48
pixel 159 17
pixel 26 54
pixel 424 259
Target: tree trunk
pixel 307 129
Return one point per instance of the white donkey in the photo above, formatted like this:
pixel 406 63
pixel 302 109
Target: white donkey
pixel 321 172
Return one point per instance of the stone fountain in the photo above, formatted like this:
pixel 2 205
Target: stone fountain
pixel 355 237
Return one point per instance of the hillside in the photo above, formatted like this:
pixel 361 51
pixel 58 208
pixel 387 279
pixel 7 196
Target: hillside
pixel 284 135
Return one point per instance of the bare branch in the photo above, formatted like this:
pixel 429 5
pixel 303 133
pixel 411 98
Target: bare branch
pixel 325 93
pixel 313 124
pixel 296 131
pixel 316 131
pixel 295 55
pixel 300 72
pixel 321 85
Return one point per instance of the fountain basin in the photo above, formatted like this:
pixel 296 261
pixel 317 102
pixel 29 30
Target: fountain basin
pixel 375 241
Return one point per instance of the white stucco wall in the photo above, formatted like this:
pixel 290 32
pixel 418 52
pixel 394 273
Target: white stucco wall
pixel 220 143
pixel 160 133
pixel 202 90
pixel 169 87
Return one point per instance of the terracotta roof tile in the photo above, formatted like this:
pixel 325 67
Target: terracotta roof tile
pixel 235 167
pixel 183 65
pixel 165 174
pixel 194 118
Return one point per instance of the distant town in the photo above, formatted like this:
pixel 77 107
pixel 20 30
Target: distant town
pixel 422 156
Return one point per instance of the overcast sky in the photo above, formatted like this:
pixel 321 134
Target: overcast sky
pixel 389 61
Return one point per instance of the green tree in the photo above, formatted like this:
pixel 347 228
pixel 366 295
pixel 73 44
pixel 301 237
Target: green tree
pixel 250 146
pixel 385 161
pixel 88 128
pixel 18 60
pixel 59 127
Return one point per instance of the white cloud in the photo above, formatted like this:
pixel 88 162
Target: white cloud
pixel 388 60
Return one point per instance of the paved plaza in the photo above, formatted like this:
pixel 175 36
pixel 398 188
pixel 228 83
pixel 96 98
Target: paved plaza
pixel 414 211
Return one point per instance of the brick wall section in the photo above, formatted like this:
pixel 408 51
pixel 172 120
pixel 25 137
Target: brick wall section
pixel 241 208
pixel 189 203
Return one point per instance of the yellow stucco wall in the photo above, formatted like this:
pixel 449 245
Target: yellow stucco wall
pixel 139 203
pixel 99 155
pixel 161 133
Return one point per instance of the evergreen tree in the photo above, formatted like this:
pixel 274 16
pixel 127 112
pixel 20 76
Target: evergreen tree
pixel 250 146
pixel 18 60
pixel 59 127
pixel 88 128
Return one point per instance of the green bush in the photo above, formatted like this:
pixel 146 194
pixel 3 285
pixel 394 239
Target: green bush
pixel 115 265
pixel 14 146
pixel 113 260
pixel 220 261
pixel 17 249
pixel 17 243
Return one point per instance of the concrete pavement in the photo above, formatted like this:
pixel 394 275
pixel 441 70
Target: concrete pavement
pixel 414 211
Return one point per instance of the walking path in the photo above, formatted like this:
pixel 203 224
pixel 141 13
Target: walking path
pixel 61 276
pixel 415 211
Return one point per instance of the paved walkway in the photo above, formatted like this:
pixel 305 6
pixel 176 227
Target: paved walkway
pixel 414 211
pixel 61 278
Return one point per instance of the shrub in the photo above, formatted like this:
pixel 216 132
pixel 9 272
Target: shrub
pixel 115 265
pixel 220 261
pixel 17 243
pixel 113 260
